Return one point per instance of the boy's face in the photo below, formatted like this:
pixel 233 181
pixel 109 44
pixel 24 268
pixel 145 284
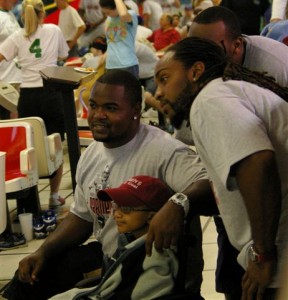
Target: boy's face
pixel 134 221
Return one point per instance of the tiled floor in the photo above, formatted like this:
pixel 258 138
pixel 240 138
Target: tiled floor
pixel 9 259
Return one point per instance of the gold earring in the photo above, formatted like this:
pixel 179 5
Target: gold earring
pixel 194 79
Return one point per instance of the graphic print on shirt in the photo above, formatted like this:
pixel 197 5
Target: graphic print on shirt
pixel 116 30
pixel 100 208
pixel 36 48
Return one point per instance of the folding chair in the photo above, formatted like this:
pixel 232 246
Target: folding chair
pixel 21 173
pixel 49 150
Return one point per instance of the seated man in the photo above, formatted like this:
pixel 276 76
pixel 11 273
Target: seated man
pixel 166 35
pixel 123 148
pixel 129 272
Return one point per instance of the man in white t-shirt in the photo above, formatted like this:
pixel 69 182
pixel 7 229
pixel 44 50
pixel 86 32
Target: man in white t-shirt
pixel 91 13
pixel 152 12
pixel 239 130
pixel 71 25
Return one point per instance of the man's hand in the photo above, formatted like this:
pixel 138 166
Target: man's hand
pixel 256 279
pixel 165 227
pixel 29 268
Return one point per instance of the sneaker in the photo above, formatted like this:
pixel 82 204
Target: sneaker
pixel 13 241
pixel 49 220
pixel 39 228
pixel 54 203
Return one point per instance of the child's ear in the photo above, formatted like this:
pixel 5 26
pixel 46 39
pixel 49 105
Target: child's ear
pixel 150 216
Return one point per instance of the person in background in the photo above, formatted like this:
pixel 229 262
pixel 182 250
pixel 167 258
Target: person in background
pixel 129 272
pixel 97 49
pixel 222 26
pixel 166 35
pixel 152 12
pixel 37 46
pixel 231 108
pixel 94 19
pixel 121 28
pixel 123 147
pixel 71 25
pixel 279 10
pixel 249 13
pixel 9 71
pixel 277 31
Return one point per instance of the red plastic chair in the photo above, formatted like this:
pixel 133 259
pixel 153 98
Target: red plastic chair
pixel 21 164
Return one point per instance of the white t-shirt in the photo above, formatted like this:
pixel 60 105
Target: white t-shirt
pixel 154 10
pixel 147 60
pixel 230 121
pixel 69 22
pixel 8 70
pixel 267 55
pixel 132 5
pixel 36 52
pixel 151 152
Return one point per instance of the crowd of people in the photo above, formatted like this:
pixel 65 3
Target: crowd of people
pixel 220 77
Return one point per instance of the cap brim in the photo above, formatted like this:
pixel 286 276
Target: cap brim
pixel 121 196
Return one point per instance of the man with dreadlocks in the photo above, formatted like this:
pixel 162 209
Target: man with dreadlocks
pixel 239 126
pixel 256 53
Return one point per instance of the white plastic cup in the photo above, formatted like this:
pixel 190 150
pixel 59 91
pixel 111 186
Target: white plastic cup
pixel 26 223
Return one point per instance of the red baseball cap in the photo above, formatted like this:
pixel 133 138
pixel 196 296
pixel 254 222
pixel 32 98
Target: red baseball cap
pixel 138 191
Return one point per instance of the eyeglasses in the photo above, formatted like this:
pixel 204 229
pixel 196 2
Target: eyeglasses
pixel 127 209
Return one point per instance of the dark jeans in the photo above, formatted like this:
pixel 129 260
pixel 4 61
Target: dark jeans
pixel 228 272
pixel 60 274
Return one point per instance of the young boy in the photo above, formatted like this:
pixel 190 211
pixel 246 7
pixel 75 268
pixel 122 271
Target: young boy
pixel 129 273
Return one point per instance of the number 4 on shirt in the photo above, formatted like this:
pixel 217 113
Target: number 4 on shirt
pixel 36 49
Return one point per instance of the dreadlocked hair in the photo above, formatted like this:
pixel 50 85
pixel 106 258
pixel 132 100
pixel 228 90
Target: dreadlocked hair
pixel 238 72
pixel 192 49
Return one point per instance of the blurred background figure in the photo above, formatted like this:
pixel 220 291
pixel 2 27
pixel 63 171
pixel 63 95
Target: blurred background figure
pixel 97 49
pixel 71 25
pixel 9 71
pixel 92 15
pixel 277 31
pixel 249 13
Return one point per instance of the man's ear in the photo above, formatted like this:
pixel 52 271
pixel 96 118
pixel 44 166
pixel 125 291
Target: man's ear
pixel 196 71
pixel 238 45
pixel 137 108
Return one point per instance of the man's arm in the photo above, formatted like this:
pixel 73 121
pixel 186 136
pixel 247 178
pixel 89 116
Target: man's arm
pixel 71 232
pixel 167 225
pixel 259 183
pixel 73 42
pixel 123 11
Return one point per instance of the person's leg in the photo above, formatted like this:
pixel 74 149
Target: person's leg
pixel 228 272
pixel 55 181
pixel 60 274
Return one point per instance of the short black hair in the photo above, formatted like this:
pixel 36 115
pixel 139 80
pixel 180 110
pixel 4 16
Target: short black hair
pixel 110 4
pixel 219 13
pixel 132 85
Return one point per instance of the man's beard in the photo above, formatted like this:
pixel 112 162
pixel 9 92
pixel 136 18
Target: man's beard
pixel 182 106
